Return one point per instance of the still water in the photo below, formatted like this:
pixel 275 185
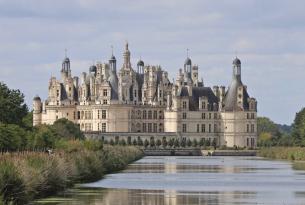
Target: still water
pixel 195 180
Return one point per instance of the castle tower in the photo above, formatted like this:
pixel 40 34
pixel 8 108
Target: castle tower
pixel 112 63
pixel 37 111
pixel 237 69
pixel 126 56
pixel 65 69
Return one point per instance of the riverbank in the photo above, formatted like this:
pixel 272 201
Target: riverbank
pixel 286 153
pixel 25 176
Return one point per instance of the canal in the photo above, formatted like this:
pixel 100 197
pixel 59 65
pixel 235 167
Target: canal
pixel 192 181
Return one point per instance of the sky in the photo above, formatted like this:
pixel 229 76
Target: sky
pixel 267 35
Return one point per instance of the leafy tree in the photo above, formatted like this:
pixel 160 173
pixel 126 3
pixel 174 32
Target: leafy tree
pixel 111 142
pixel 195 143
pixel 67 129
pixel 176 143
pixel 129 140
pixel 146 143
pixel 158 142
pixel 152 142
pixel 122 142
pixel 12 137
pixel 134 142
pixel 214 143
pixel 182 142
pixel 12 106
pixel 140 141
pixel 201 142
pixel 298 128
pixel 27 121
pixel 43 136
pixel 188 142
pixel 171 142
pixel 164 142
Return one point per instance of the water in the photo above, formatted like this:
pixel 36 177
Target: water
pixel 195 180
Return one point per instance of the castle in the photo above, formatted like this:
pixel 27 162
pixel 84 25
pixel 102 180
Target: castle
pixel 143 102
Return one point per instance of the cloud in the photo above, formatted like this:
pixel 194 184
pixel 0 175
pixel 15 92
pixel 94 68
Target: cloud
pixel 267 35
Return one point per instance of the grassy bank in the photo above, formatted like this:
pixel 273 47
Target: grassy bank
pixel 288 153
pixel 28 176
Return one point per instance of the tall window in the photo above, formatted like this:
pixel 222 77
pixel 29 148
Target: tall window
pixel 198 127
pixel 98 114
pixel 155 127
pixel 103 127
pixel 184 115
pixel 144 114
pixel 103 114
pixel 149 127
pixel 203 128
pixel 105 92
pixel 183 127
pixel 203 115
pixel 203 105
pixel 247 127
pixel 252 128
pixel 144 127
pixel 215 127
pixel 149 114
pixel 210 115
pixel 184 104
pixel 155 114
pixel 210 128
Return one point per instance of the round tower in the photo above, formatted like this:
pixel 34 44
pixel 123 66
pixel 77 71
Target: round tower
pixel 140 66
pixel 37 111
pixel 237 69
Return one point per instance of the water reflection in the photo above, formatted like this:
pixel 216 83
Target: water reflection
pixel 196 180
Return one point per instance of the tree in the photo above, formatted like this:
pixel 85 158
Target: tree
pixel 195 143
pixel 67 129
pixel 298 128
pixel 12 137
pixel 176 143
pixel 122 142
pixel 12 106
pixel 214 143
pixel 152 142
pixel 182 142
pixel 171 142
pixel 164 142
pixel 43 136
pixel 158 142
pixel 140 141
pixel 134 142
pixel 201 142
pixel 129 140
pixel 188 142
pixel 111 142
pixel 146 143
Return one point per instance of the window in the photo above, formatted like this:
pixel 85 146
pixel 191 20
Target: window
pixel 183 127
pixel 103 114
pixel 105 92
pixel 210 128
pixel 203 105
pixel 98 126
pixel 144 127
pixel 252 128
pixel 210 115
pixel 247 142
pixel 247 115
pixel 247 127
pixel 135 93
pixel 203 128
pixel 103 127
pixel 184 104
pixel 155 114
pixel 215 127
pixel 215 115
pixel 149 114
pixel 203 115
pixel 197 127
pixel 149 127
pixel 105 102
pixel 57 93
pixel 144 114
pixel 252 116
pixel 98 114
pixel 184 115
pixel 78 115
pixel 155 127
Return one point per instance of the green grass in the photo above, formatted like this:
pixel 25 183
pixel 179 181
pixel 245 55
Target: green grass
pixel 287 153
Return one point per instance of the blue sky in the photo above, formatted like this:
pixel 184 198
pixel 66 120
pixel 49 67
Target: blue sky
pixel 268 37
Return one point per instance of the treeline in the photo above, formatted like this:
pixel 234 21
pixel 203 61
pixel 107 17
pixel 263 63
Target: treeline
pixel 26 174
pixel 164 142
pixel 272 134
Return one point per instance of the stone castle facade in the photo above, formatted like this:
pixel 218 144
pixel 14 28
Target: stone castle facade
pixel 143 102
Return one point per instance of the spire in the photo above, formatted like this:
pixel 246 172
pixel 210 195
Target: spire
pixel 126 56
